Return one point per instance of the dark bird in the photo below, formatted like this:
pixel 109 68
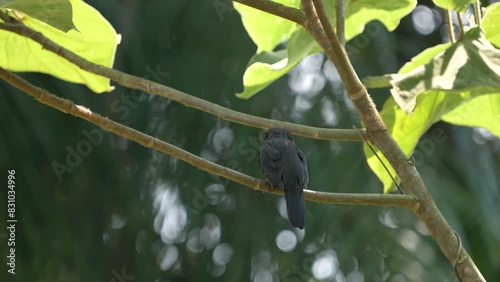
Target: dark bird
pixel 286 168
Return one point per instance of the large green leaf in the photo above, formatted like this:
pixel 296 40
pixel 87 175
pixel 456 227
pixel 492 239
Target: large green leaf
pixel 56 13
pixel 95 41
pixel 266 30
pixel 260 74
pixel 479 105
pixel 407 129
pixel 457 5
pixel 491 23
pixel 482 111
pixel 471 64
pixel 419 60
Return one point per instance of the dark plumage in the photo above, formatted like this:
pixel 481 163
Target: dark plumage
pixel 286 168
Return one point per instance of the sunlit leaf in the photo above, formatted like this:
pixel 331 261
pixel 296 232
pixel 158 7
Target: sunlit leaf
pixel 56 13
pixel 261 73
pixel 457 5
pixel 482 111
pixel 491 23
pixel 471 64
pixel 95 41
pixel 266 30
pixel 407 129
pixel 358 13
pixel 434 105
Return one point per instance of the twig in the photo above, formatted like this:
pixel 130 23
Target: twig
pixel 477 12
pixel 460 25
pixel 378 135
pixel 367 142
pixel 322 31
pixel 339 14
pixel 449 24
pixel 148 141
pixel 279 9
pixel 135 82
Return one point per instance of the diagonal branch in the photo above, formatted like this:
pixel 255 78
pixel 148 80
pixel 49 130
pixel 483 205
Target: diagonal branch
pixel 340 20
pixel 138 83
pixel 445 236
pixel 449 25
pixel 280 10
pixel 148 141
pixel 317 23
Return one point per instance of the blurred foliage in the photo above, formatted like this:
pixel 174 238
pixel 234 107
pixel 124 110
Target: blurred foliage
pixel 127 213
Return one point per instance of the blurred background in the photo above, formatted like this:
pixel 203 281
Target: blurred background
pixel 122 212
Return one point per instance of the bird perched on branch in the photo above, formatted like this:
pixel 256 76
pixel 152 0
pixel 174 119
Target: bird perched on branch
pixel 285 166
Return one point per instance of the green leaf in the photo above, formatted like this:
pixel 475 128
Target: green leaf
pixel 419 60
pixel 260 74
pixel 473 101
pixel 266 30
pixel 263 72
pixel 359 13
pixel 491 24
pixel 423 58
pixel 407 129
pixel 471 64
pixel 381 81
pixel 457 5
pixel 56 13
pixel 95 41
pixel 482 111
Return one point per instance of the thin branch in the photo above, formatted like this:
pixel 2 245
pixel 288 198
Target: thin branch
pixel 427 211
pixel 135 82
pixel 477 12
pixel 280 10
pixel 449 23
pixel 460 25
pixel 148 141
pixel 321 29
pixel 340 21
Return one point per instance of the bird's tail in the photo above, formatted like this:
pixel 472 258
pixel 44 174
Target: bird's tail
pixel 295 207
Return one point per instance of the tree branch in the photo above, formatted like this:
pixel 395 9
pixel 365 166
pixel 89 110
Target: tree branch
pixel 460 25
pixel 280 10
pixel 477 12
pixel 340 21
pixel 449 23
pixel 138 83
pixel 428 212
pixel 148 141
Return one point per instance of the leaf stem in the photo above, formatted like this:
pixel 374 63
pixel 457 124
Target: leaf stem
pixel 477 12
pixel 340 21
pixel 460 24
pixel 280 10
pixel 449 25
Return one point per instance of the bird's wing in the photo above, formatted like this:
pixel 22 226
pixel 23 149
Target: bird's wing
pixel 302 158
pixel 269 160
